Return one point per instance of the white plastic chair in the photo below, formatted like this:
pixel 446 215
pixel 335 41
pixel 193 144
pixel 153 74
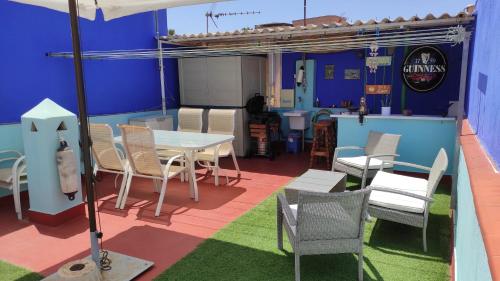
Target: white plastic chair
pixel 13 176
pixel 405 199
pixel 189 120
pixel 379 147
pixel 144 162
pixel 107 157
pixel 220 121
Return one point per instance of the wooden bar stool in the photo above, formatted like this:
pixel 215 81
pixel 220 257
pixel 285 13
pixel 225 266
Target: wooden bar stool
pixel 322 141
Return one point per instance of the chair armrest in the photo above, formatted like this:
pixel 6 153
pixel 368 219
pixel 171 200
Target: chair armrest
pixel 401 192
pixel 406 164
pixel 382 155
pixel 343 148
pixel 17 169
pixel 8 159
pixel 349 148
pixel 171 160
pixel 369 157
pixel 285 207
pixel 120 152
pixel 11 151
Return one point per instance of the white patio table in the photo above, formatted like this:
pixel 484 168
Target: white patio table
pixel 189 143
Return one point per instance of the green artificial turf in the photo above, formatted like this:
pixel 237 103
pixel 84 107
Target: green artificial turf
pixel 246 250
pixel 10 272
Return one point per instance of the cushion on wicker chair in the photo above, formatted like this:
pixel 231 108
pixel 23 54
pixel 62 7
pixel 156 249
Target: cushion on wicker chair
pixel 359 162
pixel 6 175
pixel 395 201
pixel 294 207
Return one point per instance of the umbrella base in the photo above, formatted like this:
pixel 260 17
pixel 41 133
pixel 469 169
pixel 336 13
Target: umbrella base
pixel 123 268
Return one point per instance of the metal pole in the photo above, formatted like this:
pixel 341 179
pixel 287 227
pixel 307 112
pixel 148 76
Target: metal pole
pixel 460 116
pixel 304 83
pixel 84 129
pixel 161 66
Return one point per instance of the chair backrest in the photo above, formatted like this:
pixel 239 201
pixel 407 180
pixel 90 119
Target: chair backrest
pixel 141 150
pixel 437 171
pixel 330 216
pixel 382 143
pixel 190 120
pixel 103 148
pixel 221 121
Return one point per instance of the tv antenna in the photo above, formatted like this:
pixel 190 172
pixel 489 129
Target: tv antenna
pixel 215 16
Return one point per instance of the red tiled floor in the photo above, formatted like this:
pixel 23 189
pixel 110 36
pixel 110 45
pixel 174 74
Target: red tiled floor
pixel 135 231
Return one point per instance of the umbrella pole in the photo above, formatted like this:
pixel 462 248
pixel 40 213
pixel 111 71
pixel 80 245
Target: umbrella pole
pixel 84 129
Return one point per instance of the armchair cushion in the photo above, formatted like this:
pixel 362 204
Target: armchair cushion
pixel 396 201
pixel 6 176
pixel 294 207
pixel 359 162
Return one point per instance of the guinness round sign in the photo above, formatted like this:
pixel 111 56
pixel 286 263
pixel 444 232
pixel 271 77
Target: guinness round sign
pixel 424 69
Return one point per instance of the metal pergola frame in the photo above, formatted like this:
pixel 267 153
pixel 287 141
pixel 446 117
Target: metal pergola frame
pixel 394 34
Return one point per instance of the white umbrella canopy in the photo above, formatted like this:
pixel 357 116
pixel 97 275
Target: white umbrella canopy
pixel 113 9
pixel 86 8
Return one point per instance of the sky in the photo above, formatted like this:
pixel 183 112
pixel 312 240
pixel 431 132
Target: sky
pixel 191 19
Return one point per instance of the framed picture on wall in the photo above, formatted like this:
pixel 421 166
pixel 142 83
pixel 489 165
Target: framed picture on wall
pixel 329 69
pixel 351 74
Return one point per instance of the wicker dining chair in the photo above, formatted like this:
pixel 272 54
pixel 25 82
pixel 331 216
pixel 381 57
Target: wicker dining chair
pixel 12 175
pixel 144 162
pixel 405 199
pixel 220 121
pixel 324 223
pixel 379 147
pixel 107 157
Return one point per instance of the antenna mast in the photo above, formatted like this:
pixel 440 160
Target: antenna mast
pixel 216 16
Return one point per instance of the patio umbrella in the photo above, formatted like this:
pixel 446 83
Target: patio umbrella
pixel 113 9
pixel 87 9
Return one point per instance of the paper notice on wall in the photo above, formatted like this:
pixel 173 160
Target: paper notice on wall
pixel 287 98
pixel 379 61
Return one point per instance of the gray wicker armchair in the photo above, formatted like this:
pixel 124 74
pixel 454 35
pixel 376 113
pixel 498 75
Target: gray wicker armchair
pixel 379 147
pixel 404 199
pixel 324 223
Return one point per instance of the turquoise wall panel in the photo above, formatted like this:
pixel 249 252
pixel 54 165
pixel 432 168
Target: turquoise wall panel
pixel 420 139
pixel 471 260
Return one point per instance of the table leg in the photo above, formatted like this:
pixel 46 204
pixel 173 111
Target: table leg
pixel 303 139
pixel 193 185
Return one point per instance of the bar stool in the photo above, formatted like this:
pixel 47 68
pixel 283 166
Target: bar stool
pixel 322 141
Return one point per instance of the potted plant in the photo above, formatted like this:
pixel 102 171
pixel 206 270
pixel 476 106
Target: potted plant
pixel 386 105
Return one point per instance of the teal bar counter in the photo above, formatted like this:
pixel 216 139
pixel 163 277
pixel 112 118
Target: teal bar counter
pixel 421 136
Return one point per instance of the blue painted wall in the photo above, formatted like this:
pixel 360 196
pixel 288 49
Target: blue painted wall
pixel 471 260
pixel 484 85
pixel 334 91
pixel 27 76
pixel 420 139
